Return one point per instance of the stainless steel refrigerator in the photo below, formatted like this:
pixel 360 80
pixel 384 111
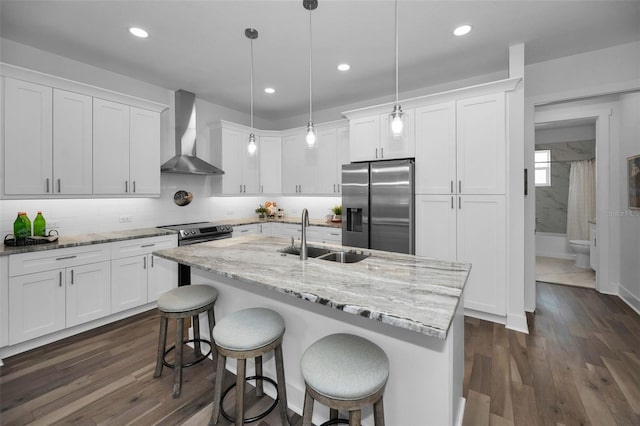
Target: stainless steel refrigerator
pixel 378 205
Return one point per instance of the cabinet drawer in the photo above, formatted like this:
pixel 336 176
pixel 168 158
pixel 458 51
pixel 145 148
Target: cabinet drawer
pixel 142 246
pixel 28 263
pixel 332 235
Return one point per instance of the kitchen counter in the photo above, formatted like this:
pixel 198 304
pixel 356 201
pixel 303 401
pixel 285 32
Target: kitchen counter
pixel 87 239
pixel 287 219
pixel 405 291
pixel 412 307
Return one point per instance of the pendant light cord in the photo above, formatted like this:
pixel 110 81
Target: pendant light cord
pixel 251 85
pixel 396 18
pixel 310 65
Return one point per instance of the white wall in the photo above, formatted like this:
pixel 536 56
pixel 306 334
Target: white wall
pixel 629 219
pixel 600 72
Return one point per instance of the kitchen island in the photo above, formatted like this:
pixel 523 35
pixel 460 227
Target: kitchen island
pixel 411 307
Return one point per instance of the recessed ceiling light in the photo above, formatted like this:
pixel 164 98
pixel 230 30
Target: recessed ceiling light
pixel 138 32
pixel 344 67
pixel 462 30
pixel 269 90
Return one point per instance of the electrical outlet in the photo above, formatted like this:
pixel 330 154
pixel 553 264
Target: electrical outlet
pixel 53 225
pixel 125 219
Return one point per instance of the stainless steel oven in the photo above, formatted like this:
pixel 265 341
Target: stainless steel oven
pixel 194 233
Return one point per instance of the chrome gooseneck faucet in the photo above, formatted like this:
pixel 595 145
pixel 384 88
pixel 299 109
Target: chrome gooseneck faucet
pixel 303 242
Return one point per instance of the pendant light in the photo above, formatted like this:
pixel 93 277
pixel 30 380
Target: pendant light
pixel 311 131
pixel 397 121
pixel 251 34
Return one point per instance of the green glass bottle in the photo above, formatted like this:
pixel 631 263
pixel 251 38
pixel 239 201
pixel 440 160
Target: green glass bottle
pixel 39 225
pixel 27 223
pixel 20 228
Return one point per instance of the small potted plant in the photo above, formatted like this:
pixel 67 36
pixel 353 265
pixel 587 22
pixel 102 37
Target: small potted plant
pixel 337 214
pixel 261 211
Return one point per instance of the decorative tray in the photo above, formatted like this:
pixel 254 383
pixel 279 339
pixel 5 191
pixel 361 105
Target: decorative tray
pixel 11 241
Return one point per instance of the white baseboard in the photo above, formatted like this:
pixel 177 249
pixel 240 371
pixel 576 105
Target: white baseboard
pixel 460 414
pixel 7 351
pixel 485 316
pixel 630 299
pixel 517 323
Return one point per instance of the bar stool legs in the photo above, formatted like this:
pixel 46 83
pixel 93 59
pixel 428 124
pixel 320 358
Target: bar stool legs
pixel 180 303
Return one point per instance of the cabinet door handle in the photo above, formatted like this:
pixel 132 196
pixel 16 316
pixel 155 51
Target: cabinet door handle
pixel 134 186
pixel 262 189
pixel 452 202
pixel 126 186
pixel 336 234
pixel 381 152
pixel 72 277
pixel 144 262
pixel 148 245
pixel 334 187
pixel 452 187
pixel 60 279
pixel 338 187
pixel 152 262
pixel 66 257
pixel 459 203
pixel 47 185
pixel 244 230
pixel 244 187
pixel 58 185
pixel 459 186
pixel 376 152
pixel 301 189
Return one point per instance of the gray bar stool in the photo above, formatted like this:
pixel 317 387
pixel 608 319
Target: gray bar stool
pixel 249 333
pixel 344 372
pixel 180 303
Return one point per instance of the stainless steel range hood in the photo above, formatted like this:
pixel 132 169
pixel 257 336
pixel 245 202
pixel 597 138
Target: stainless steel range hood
pixel 185 161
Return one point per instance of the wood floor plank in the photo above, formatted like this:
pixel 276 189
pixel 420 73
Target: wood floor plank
pixel 476 411
pixel 595 407
pixel 501 403
pixel 627 383
pixel 615 399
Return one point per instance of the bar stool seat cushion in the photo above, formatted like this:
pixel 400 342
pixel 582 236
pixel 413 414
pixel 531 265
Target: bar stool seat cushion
pixel 187 298
pixel 248 329
pixel 344 366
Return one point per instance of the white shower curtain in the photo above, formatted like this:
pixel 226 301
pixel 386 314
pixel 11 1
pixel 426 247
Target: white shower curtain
pixel 581 206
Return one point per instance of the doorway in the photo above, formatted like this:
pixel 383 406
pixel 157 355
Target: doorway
pixel 564 182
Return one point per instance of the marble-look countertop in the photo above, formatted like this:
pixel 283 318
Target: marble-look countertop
pixel 286 219
pixel 413 293
pixel 87 239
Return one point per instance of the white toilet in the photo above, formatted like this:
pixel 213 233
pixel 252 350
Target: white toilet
pixel 582 249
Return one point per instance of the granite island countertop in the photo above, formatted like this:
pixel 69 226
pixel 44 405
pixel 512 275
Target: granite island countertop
pixel 409 292
pixel 87 239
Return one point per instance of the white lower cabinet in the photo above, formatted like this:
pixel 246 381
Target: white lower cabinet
pixel 242 230
pixel 138 277
pixel 331 235
pixel 45 302
pixel 472 229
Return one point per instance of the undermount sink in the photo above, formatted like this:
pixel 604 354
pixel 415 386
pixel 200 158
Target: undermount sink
pixel 311 251
pixel 343 257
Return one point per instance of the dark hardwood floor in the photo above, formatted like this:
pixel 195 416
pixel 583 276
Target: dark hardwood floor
pixel 580 365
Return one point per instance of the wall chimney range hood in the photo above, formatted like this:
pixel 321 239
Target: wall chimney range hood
pixel 185 161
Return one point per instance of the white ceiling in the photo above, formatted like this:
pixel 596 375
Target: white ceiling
pixel 200 45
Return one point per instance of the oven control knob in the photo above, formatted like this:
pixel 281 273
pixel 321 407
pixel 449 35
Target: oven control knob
pixel 193 232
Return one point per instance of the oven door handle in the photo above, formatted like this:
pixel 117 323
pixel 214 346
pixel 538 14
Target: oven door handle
pixel 203 240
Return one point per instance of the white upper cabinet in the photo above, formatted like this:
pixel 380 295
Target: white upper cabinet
pixel 461 146
pixel 300 165
pixel 72 143
pixel 270 164
pixel 144 151
pixel 364 137
pixel 370 138
pixel 28 149
pixel 436 149
pixel 126 149
pixel 481 144
pixel 333 151
pixel 111 147
pixel 241 169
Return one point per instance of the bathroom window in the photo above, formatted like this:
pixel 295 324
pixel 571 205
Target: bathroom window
pixel 543 167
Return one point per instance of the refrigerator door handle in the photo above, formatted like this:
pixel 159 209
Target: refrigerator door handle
pixel 452 186
pixel 459 203
pixel 452 202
